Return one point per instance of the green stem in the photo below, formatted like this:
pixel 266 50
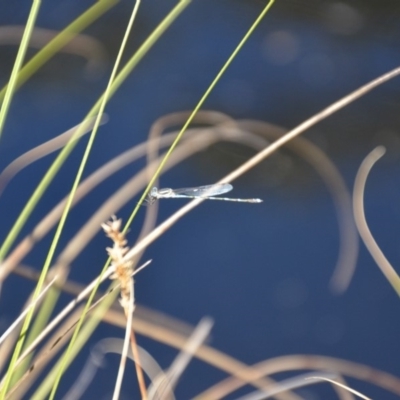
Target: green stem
pixel 56 44
pixel 30 24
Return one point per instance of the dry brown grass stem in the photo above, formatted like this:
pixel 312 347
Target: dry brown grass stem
pixel 282 386
pixel 18 321
pixel 44 356
pixel 306 362
pixel 343 391
pixel 43 150
pixel 152 329
pixel 359 216
pixel 256 374
pixel 355 392
pixel 97 354
pixel 164 384
pixel 341 196
pixel 81 45
pixel 52 346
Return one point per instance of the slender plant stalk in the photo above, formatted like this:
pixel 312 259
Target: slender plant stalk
pixel 56 44
pixel 138 366
pixel 87 330
pixel 355 392
pixel 359 216
pixel 128 330
pixel 30 24
pixel 3 112
pixel 71 306
pixel 4 336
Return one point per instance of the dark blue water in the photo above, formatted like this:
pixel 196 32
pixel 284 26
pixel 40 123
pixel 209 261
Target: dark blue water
pixel 260 271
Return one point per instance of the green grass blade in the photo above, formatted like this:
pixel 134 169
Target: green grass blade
pixel 56 44
pixel 30 24
pixel 87 330
pixel 43 315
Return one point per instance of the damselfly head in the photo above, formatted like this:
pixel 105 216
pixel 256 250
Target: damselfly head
pixel 153 192
pixel 151 197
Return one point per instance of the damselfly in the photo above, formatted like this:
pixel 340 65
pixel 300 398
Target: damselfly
pixel 201 192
